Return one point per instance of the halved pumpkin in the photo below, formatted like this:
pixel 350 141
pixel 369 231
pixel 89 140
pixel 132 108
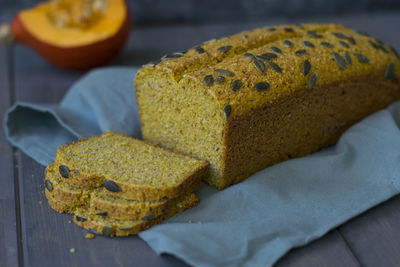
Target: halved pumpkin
pixel 74 34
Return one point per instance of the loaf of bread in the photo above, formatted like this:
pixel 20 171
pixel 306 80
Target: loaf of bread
pixel 259 97
pixel 111 181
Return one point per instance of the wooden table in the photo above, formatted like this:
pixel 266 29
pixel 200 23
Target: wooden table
pixel 31 234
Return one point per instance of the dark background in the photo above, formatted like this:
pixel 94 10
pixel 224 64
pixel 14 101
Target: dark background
pixel 206 11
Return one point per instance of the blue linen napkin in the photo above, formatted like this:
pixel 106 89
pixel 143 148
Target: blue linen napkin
pixel 252 223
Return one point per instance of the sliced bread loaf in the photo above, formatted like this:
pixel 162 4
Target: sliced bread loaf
pixel 128 167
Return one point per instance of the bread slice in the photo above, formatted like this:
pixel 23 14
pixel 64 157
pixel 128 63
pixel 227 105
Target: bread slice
pixel 128 167
pixel 112 227
pixel 101 201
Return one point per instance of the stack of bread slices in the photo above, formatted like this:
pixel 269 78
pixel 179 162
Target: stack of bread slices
pixel 117 185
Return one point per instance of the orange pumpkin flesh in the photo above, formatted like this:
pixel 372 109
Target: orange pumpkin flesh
pixel 74 47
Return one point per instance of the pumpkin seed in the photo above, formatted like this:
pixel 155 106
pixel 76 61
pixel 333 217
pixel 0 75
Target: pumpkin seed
pixel 344 44
pixel 276 49
pixel 347 59
pixel 274 66
pixel 220 79
pixel 314 34
pixel 236 84
pixel 351 40
pixel 339 60
pixel 389 72
pixel 173 55
pixel 208 80
pixel 125 228
pixel 271 29
pixel 259 65
pixel 340 35
pixel 248 56
pixel 79 218
pixel 287 29
pixel 327 44
pixel 308 44
pixel 148 217
pixel 224 72
pixel 268 56
pixel 361 58
pixel 102 213
pixel 199 50
pixel 300 52
pixel 373 44
pixel 261 86
pixel 227 111
pixel 312 80
pixel 305 67
pixel 395 52
pixel 111 186
pixel 107 230
pixel 259 57
pixel 64 171
pixel 381 47
pixel 287 43
pixel 224 49
pixel 48 185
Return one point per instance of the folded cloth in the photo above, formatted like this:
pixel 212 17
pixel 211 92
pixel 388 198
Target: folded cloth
pixel 252 223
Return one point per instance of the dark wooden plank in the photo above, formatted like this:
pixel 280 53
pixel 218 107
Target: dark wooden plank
pixel 8 226
pixel 330 250
pixel 375 235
